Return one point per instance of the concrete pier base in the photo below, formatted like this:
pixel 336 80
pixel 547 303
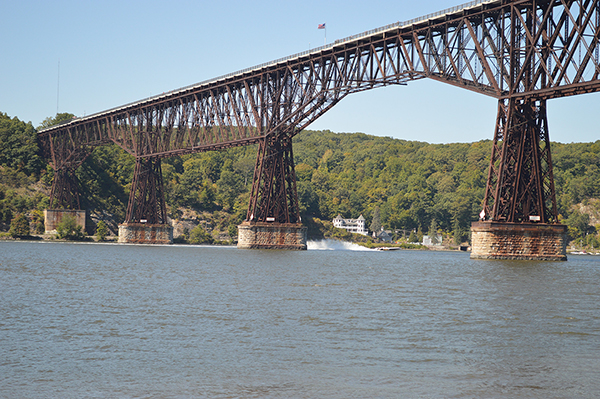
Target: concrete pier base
pixel 143 233
pixel 52 217
pixel 271 236
pixel 519 241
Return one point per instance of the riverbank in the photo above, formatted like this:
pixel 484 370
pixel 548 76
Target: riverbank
pixel 364 244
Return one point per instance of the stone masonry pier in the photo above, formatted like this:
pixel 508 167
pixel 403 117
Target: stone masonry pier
pixel 271 236
pixel 519 241
pixel 143 233
pixel 52 218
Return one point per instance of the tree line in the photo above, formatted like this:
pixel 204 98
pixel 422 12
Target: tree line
pixel 406 186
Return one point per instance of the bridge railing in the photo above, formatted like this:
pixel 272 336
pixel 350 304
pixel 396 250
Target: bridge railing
pixel 288 58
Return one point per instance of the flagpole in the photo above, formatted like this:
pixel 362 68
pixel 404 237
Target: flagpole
pixel 324 27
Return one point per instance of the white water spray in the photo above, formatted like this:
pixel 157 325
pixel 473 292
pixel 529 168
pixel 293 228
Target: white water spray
pixel 335 245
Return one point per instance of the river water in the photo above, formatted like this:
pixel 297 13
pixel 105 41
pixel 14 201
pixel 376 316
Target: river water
pixel 129 321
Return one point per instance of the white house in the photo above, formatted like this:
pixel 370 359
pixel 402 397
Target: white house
pixel 352 225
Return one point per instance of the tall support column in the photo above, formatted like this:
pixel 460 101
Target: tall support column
pixel 274 196
pixel 64 194
pixel 65 189
pixel 146 219
pixel 519 219
pixel 146 199
pixel 520 185
pixel 64 200
pixel 273 217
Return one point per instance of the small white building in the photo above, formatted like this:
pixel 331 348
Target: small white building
pixel 352 225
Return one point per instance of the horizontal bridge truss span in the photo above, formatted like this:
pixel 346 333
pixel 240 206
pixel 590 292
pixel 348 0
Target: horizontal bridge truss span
pixel 504 49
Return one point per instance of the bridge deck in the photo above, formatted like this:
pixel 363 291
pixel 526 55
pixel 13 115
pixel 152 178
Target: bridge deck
pixel 294 57
pixel 506 49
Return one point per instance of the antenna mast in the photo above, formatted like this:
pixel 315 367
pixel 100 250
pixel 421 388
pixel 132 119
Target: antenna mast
pixel 57 87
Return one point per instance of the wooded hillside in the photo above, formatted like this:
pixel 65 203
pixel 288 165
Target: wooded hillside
pixel 411 185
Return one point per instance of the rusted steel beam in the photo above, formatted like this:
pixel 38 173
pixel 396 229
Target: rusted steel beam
pixel 520 186
pixel 274 196
pixel 146 198
pixel 65 190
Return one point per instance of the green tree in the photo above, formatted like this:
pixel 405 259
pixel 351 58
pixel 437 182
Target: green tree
pixel 375 225
pixel 433 232
pixel 232 230
pixel 38 221
pixel 206 197
pixel 304 172
pixel 245 169
pixel 6 214
pixel 68 229
pixel 229 186
pixel 56 120
pixel 308 198
pixel 458 233
pixel 412 237
pixel 199 236
pixel 18 146
pixel 101 230
pixel 579 224
pixel 19 226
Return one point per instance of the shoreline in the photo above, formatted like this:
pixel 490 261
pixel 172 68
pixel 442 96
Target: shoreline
pixel 375 246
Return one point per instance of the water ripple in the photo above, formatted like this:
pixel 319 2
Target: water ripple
pixel 104 321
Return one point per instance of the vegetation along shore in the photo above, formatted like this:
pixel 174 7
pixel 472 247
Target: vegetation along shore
pixel 408 188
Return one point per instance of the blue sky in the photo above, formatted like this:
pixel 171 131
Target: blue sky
pixel 115 52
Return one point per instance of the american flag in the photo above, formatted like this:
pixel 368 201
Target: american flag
pixel 321 26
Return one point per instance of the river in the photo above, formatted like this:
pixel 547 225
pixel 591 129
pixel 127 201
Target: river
pixel 133 321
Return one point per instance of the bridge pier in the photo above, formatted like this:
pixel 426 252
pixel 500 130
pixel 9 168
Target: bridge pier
pixel 146 219
pixel 519 241
pixel 519 219
pixel 144 233
pixel 273 218
pixel 64 194
pixel 272 236
pixel 52 218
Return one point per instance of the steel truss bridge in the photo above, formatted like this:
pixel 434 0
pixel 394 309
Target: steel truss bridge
pixel 521 52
